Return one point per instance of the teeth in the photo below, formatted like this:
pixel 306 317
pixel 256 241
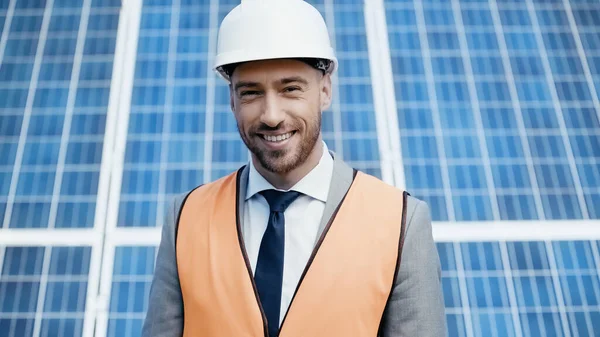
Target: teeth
pixel 278 138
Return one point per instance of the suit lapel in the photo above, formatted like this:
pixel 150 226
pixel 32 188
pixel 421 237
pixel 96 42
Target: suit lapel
pixel 341 180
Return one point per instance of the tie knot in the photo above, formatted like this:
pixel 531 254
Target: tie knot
pixel 278 200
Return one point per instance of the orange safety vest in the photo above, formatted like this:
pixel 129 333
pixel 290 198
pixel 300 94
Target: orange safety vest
pixel 344 288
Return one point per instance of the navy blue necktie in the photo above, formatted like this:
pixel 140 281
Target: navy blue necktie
pixel 268 275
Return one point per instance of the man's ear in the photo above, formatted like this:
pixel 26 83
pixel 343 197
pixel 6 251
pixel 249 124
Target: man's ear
pixel 325 92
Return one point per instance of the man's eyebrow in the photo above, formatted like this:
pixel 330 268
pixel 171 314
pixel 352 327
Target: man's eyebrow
pixel 245 84
pixel 288 80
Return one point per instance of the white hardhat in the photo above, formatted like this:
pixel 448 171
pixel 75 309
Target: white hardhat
pixel 273 29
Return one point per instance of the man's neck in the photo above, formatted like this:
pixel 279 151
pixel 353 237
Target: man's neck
pixel 288 180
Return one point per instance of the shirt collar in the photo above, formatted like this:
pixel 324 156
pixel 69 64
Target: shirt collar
pixel 315 184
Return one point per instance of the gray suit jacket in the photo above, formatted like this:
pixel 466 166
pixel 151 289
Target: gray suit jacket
pixel 415 307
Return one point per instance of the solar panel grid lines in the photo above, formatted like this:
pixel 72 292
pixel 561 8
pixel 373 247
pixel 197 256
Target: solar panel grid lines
pixel 18 310
pixel 511 290
pixel 37 325
pixel 133 272
pixel 23 283
pixel 27 114
pixel 489 308
pixel 67 287
pixel 170 74
pixel 557 288
pixel 6 28
pixel 483 147
pixel 570 299
pixel 587 73
pixel 446 212
pixel 557 108
pixel 328 13
pixel 533 300
pixel 517 109
pixel 70 106
pixel 466 309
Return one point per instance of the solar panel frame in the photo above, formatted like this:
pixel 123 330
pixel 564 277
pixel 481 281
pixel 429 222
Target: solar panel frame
pixel 540 138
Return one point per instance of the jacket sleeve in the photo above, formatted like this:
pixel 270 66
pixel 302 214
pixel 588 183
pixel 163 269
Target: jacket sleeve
pixel 164 317
pixel 416 305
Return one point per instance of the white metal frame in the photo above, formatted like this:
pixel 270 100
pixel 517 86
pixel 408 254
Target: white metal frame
pixel 119 109
pixel 513 230
pixel 104 237
pixel 443 231
pixel 384 100
pixel 210 90
pixel 55 237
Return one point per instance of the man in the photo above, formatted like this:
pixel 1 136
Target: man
pixel 296 243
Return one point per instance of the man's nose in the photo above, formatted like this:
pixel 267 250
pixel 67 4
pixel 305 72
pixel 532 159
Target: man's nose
pixel 272 114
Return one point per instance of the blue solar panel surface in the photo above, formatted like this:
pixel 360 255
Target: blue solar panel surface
pixel 521 288
pixel 56 74
pixel 498 114
pixel 131 280
pixel 43 290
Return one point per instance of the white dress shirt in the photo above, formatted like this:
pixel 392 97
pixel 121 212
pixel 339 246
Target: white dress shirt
pixel 302 219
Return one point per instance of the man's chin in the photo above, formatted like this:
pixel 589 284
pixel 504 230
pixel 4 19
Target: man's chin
pixel 280 163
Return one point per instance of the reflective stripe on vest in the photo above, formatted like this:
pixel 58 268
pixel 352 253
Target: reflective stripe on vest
pixel 344 288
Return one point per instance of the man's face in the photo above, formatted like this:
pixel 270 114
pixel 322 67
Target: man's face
pixel 277 105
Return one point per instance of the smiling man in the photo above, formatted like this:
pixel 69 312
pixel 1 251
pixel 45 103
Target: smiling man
pixel 295 243
pixel 277 105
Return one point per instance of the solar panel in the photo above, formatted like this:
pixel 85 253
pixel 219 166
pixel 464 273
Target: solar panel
pixel 43 290
pixel 491 96
pixel 521 288
pixel 55 75
pixel 494 106
pixel 131 280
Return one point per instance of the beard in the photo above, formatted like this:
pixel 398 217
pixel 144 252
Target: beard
pixel 285 160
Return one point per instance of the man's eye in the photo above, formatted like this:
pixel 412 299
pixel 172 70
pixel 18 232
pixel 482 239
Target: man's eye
pixel 291 89
pixel 247 93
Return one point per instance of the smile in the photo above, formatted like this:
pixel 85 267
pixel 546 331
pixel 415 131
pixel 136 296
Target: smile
pixel 278 138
